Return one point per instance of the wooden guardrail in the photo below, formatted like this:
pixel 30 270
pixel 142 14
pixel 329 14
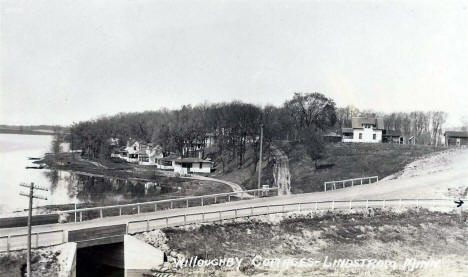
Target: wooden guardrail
pixel 49 238
pixel 352 182
pixel 152 206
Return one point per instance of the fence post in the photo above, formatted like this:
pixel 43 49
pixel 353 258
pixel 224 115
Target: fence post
pixel 235 212
pixel 251 210
pixel 377 178
pixel 155 207
pixel 352 183
pixel 172 204
pixel 185 219
pixel 127 227
pixel 203 217
pixel 138 209
pixel 215 200
pixel 417 203
pixel 361 181
pixel 81 216
pixel 147 225
pixel 325 186
pixel 219 215
pixel 167 221
pixel 63 236
pixel 283 208
pixel 8 243
pixel 350 201
pixel 242 195
pixel 316 205
pixel 187 203
pixel 333 205
pixel 367 203
pixel 334 185
pixel 370 181
pixel 37 240
pixel 268 209
pixel 299 207
pixel 120 211
pixel 344 182
pixel 383 204
pixel 229 198
pixel 202 201
pixel 100 212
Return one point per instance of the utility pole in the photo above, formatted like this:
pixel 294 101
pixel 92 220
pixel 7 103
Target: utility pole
pixel 260 164
pixel 31 197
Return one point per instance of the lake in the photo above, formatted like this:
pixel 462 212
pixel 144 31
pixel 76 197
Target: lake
pixel 14 152
pixel 64 187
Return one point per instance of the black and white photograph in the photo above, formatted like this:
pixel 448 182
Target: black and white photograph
pixel 158 138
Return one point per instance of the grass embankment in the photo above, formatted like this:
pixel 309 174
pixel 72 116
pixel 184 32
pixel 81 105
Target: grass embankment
pixel 384 235
pixel 349 160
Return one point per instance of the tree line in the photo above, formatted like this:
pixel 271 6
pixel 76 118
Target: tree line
pixel 236 126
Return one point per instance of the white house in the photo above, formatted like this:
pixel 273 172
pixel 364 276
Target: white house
pixel 192 165
pixel 364 129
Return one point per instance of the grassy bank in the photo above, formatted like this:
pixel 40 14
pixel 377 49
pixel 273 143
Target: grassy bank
pixel 384 235
pixel 349 160
pixel 44 263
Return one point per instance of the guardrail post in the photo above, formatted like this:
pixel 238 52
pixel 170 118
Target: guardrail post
pixel 367 203
pixel 369 180
pixel 334 185
pixel 299 207
pixel 37 240
pixel 333 204
pixel 361 181
pixel 215 200
pixel 127 227
pixel 202 201
pixel 229 198
pixel 350 201
pixel 138 209
pixel 8 243
pixel 63 236
pixel 242 195
pixel 147 225
pixel 203 217
pixel 185 219
pixel 251 210
pixel 76 216
pixel 377 178
pixel 352 183
pixel 155 207
pixel 325 186
pixel 268 209
pixel 344 184
pixel 383 204
pixel 167 221
pixel 316 205
pixel 417 203
pixel 172 204
pixel 219 215
pixel 283 208
pixel 235 211
pixel 100 213
pixel 187 203
pixel 81 216
pixel 120 211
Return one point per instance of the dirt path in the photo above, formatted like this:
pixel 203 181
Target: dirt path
pixel 281 173
pixel 235 187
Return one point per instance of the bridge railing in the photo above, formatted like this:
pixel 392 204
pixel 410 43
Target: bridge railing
pixel 82 214
pixel 349 182
pixel 38 239
pixel 219 215
pixel 49 238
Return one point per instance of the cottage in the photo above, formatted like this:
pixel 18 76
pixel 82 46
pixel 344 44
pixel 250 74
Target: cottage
pixel 192 165
pixel 364 129
pixel 456 138
pixel 392 136
pixel 166 163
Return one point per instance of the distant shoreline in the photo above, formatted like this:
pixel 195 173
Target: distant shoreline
pixel 19 132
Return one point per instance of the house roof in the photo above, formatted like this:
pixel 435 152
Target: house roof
pixel 357 122
pixel 191 160
pixel 346 130
pixel 458 134
pixel 392 133
pixel 331 134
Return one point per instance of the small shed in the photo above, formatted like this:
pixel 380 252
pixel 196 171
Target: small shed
pixel 456 138
pixel 192 165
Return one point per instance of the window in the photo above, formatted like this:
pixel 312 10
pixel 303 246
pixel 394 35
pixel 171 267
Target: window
pixel 360 135
pixel 374 136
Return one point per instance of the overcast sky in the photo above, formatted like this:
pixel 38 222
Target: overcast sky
pixel 64 61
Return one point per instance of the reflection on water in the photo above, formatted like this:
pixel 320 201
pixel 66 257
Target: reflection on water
pixel 99 190
pixel 64 187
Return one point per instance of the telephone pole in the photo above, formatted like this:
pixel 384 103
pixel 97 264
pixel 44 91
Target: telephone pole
pixel 260 164
pixel 31 196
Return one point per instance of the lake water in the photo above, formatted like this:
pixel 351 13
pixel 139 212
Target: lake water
pixel 64 187
pixel 14 152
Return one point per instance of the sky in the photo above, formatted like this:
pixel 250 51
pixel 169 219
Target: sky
pixel 65 61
